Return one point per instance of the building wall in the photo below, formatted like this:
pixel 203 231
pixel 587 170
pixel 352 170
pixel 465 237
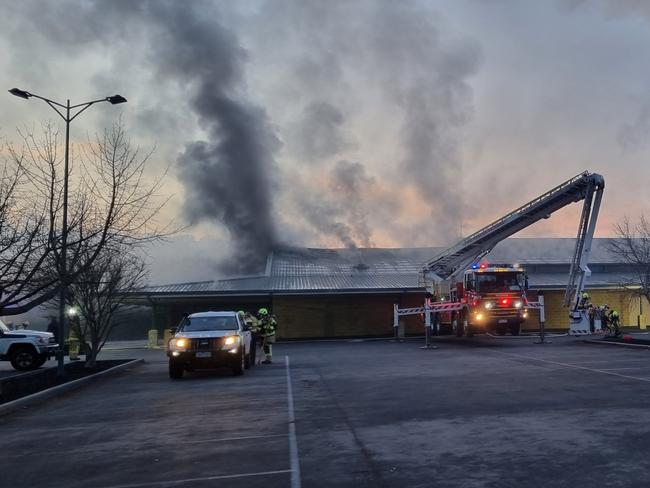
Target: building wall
pixel 557 316
pixel 342 315
pixel 358 315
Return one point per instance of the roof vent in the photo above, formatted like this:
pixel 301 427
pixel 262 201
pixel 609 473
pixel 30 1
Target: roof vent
pixel 361 267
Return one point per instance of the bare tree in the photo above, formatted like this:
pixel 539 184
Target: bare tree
pixel 112 205
pixel 632 246
pixel 99 292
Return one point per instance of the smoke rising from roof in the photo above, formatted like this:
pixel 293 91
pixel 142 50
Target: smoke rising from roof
pixel 319 133
pixel 402 56
pixel 232 173
pixel 226 178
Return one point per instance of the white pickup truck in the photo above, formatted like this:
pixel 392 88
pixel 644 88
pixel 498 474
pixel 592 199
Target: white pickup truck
pixel 210 340
pixel 26 349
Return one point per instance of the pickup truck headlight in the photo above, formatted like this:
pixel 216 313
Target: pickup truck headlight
pixel 231 340
pixel 180 343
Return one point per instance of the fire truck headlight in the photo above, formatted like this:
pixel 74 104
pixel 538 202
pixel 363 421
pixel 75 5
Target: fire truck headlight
pixel 489 305
pixel 518 304
pixel 479 316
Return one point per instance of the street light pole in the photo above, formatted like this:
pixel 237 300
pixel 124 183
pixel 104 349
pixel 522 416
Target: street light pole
pixel 63 270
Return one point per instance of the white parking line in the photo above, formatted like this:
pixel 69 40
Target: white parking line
pixel 226 439
pixel 613 361
pixel 567 365
pixel 293 443
pixel 193 480
pixel 622 369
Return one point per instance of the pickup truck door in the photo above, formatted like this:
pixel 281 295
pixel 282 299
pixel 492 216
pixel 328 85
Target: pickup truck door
pixel 246 333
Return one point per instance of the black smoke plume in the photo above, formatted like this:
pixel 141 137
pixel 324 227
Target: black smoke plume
pixel 227 176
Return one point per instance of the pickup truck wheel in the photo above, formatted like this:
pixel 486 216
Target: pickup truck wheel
pixel 24 359
pixel 239 366
pixel 247 361
pixel 175 370
pixel 40 361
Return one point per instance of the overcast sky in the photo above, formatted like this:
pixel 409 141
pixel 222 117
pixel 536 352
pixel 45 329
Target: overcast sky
pixel 347 123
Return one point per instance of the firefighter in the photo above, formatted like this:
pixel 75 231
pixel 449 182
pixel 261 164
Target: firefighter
pixel 604 318
pixel 267 327
pixel 585 298
pixel 591 314
pixel 615 323
pixel 253 325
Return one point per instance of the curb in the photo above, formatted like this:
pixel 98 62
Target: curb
pixel 41 396
pixel 621 344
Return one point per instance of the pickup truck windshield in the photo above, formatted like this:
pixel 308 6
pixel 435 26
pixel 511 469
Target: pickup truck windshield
pixel 499 282
pixel 209 323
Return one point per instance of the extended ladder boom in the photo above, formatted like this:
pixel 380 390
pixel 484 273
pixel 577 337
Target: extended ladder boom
pixel 585 186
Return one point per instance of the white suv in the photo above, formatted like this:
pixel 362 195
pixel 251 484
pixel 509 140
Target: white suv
pixel 210 340
pixel 26 349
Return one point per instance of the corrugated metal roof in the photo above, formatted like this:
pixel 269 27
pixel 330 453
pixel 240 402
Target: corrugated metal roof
pixel 559 280
pixel 313 270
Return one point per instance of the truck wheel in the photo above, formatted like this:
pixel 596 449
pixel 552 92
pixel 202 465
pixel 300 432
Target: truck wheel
pixel 247 361
pixel 24 359
pixel 41 360
pixel 175 370
pixel 514 329
pixel 239 366
pixel 465 325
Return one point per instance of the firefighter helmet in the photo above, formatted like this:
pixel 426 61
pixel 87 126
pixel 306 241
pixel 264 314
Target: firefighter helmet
pixel 262 311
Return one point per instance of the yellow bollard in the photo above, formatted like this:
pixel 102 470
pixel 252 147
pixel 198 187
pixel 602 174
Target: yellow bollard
pixel 167 335
pixel 642 322
pixel 153 339
pixel 73 347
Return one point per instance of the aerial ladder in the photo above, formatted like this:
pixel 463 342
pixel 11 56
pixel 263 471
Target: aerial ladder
pixel 586 187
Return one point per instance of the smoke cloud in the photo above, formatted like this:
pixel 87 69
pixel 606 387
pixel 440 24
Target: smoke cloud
pixel 370 92
pixel 319 133
pixel 227 177
pixel 410 69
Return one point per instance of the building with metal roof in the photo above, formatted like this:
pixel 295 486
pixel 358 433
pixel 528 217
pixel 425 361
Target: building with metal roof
pixel 349 292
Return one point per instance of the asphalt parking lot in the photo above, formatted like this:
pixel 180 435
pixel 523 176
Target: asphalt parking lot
pixel 473 413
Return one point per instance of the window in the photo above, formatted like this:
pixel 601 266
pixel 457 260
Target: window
pixel 499 282
pixel 209 323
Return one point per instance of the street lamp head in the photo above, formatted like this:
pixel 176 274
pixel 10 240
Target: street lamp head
pixel 21 93
pixel 115 99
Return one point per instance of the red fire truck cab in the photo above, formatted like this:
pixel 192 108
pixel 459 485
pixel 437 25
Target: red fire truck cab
pixel 495 299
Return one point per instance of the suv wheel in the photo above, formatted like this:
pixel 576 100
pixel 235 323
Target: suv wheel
pixel 239 366
pixel 175 370
pixel 247 361
pixel 40 360
pixel 24 359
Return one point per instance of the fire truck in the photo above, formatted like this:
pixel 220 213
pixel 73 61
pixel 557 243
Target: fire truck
pixel 495 296
pixel 468 294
